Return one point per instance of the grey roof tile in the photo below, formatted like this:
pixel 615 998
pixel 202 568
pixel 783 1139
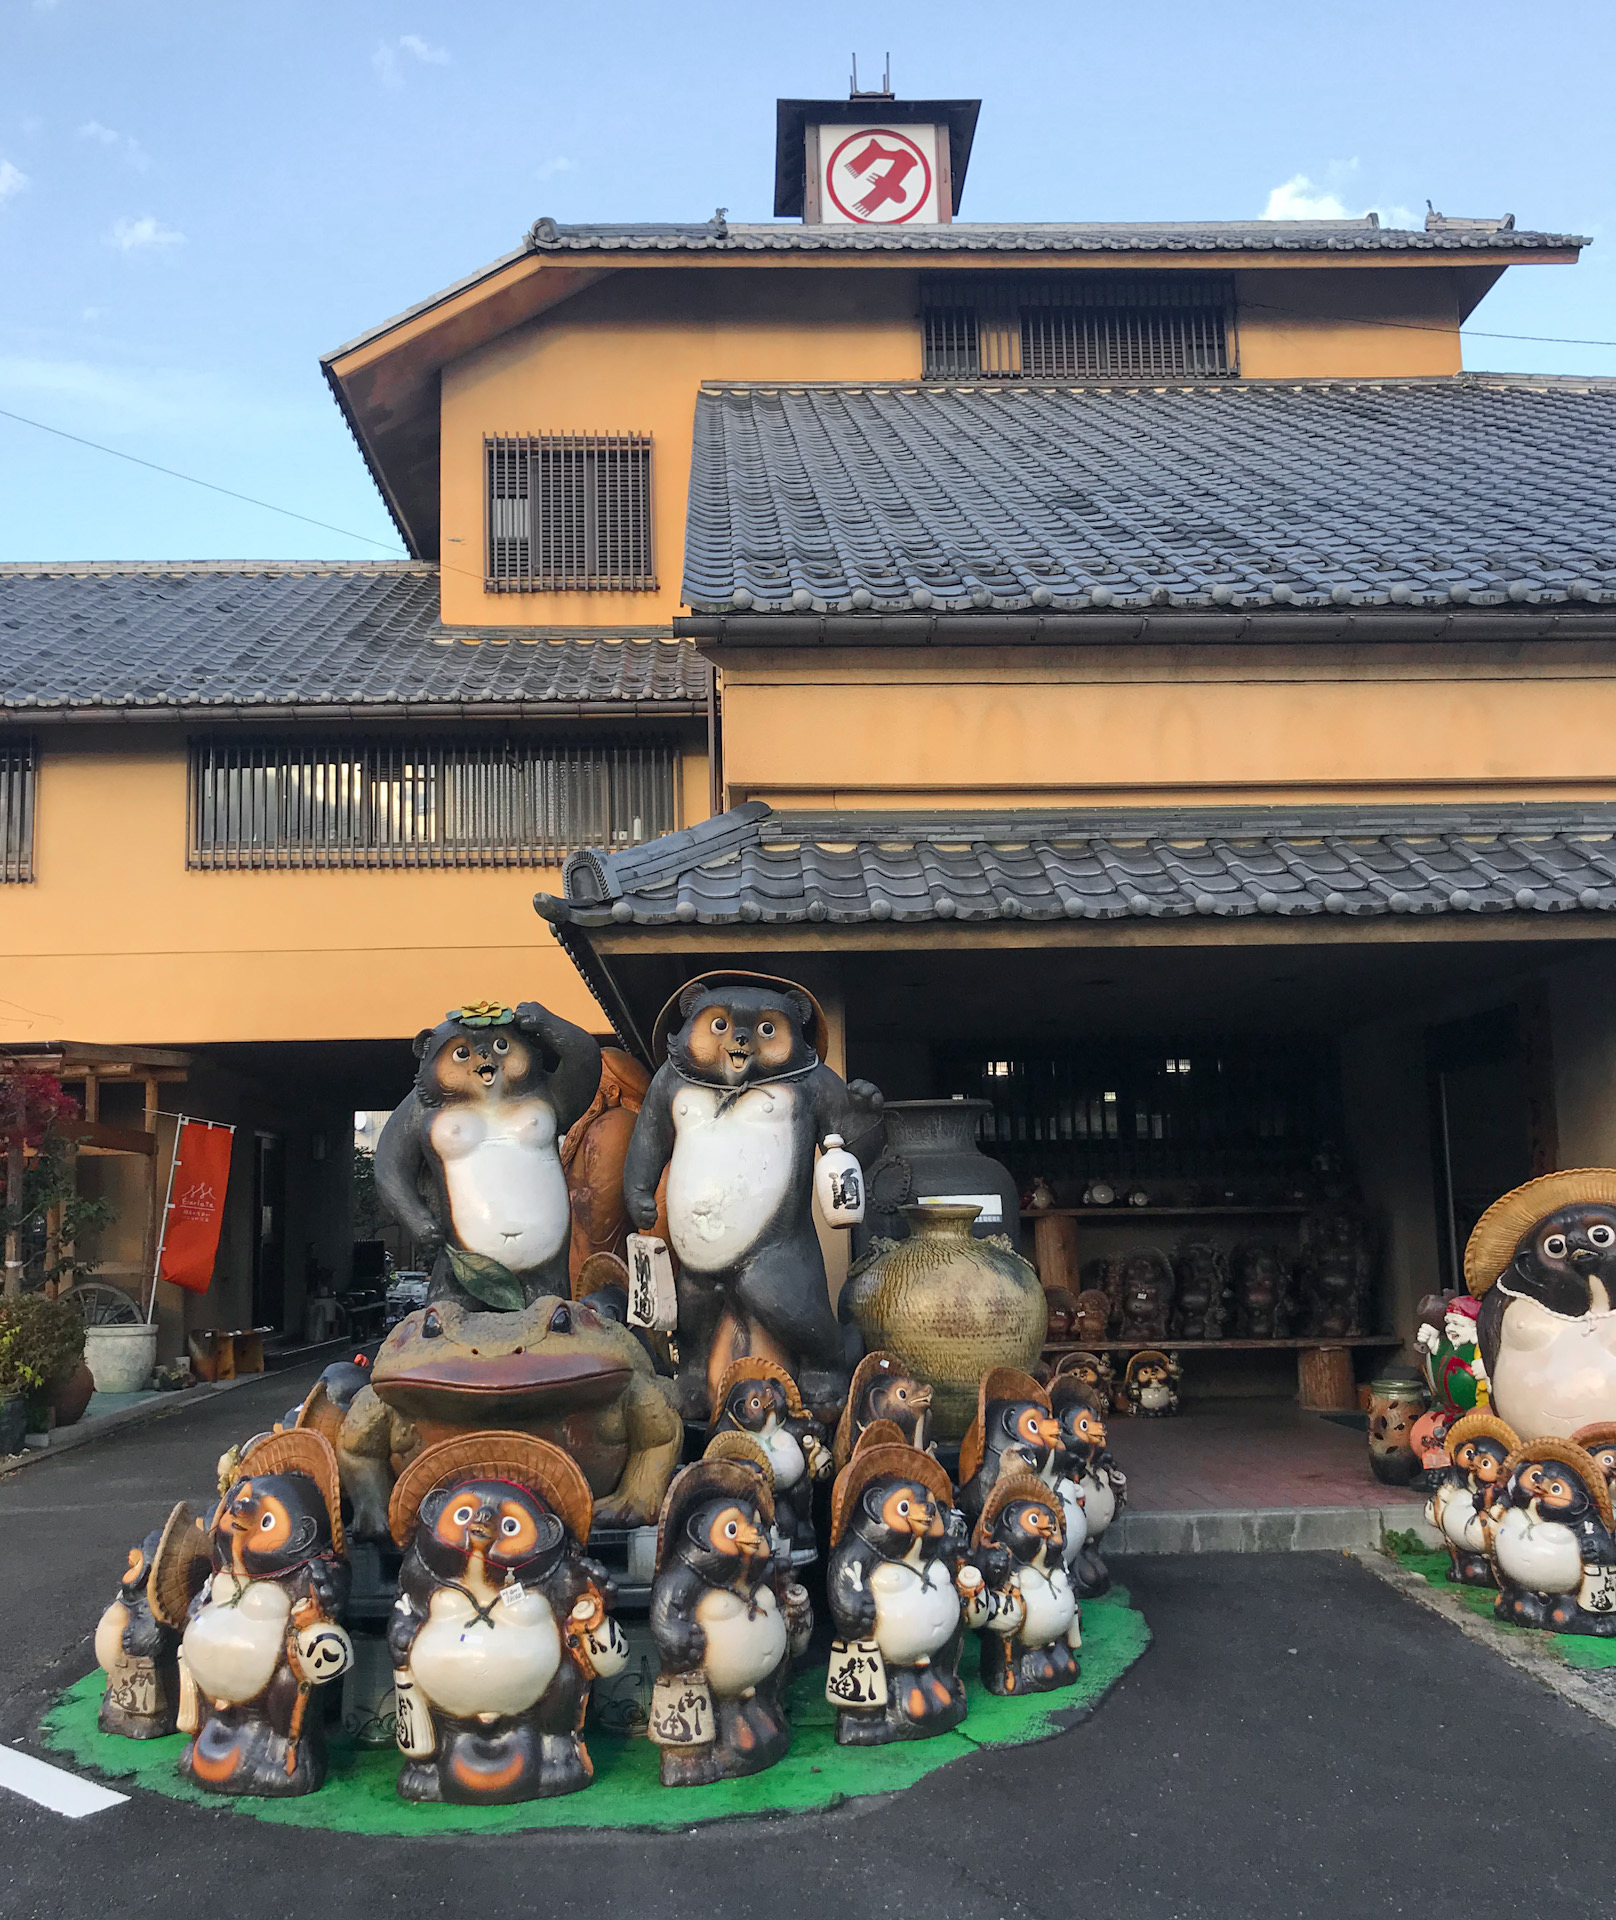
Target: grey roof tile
pixel 1475 491
pixel 262 635
pixel 753 866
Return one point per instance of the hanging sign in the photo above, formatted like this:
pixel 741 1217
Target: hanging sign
pixel 196 1190
pixel 652 1300
pixel 878 176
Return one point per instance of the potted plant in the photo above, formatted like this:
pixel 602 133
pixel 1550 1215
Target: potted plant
pixel 49 1341
pixel 18 1380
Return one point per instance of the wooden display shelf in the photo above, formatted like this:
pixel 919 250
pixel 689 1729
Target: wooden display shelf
pixel 1122 1211
pixel 1324 1381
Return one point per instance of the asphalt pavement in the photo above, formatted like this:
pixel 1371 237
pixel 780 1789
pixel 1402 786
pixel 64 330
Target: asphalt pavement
pixel 1300 1740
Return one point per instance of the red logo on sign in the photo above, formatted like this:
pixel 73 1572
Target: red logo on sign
pixel 877 176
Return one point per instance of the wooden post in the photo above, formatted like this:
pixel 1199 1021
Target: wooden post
pixel 14 1165
pixel 1324 1380
pixel 1054 1251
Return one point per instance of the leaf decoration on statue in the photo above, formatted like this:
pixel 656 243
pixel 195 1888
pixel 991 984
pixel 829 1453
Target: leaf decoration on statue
pixel 486 1280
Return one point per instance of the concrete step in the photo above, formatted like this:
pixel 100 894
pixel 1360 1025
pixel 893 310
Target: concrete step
pixel 1263 1530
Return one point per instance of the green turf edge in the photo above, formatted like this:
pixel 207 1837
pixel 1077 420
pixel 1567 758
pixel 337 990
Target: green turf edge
pixel 360 1797
pixel 1585 1650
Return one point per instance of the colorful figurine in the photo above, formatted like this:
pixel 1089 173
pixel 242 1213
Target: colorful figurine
pixel 1081 1453
pixel 1150 1383
pixel 1428 1438
pixel 1262 1292
pixel 1026 1615
pixel 137 1641
pixel 480 1135
pixel 894 1603
pixel 1201 1302
pixel 723 1637
pixel 883 1389
pixel 1553 1545
pixel 1542 1261
pixel 1450 1358
pixel 1014 1432
pixel 1396 1403
pixel 1462 1508
pixel 760 1399
pixel 265 1630
pixel 501 1625
pixel 737 1110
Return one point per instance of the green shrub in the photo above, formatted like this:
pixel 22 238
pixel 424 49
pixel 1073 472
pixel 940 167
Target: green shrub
pixel 47 1338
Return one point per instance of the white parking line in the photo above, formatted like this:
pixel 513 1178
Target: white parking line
pixel 54 1787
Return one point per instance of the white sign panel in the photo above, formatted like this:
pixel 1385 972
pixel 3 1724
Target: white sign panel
pixel 878 176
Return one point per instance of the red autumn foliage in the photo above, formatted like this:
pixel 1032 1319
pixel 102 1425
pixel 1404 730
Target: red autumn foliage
pixel 31 1104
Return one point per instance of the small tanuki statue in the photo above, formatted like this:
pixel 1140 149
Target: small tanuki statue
pixel 501 1625
pixel 1014 1432
pixel 1150 1383
pixel 1462 1507
pixel 735 1115
pixel 1091 1370
pixel 137 1642
pixel 1026 1615
pixel 1335 1272
pixel 1081 1455
pixel 1599 1443
pixel 1553 1546
pixel 1145 1308
pixel 265 1630
pixel 760 1399
pixel 1262 1292
pixel 724 1639
pixel 1201 1302
pixel 883 1389
pixel 894 1602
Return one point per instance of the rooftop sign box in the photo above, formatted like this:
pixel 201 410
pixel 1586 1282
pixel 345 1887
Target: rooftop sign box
pixel 872 160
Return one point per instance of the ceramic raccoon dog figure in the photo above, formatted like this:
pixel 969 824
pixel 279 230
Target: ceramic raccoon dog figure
pixel 495 1091
pixel 883 1388
pixel 501 1623
pixel 1081 1456
pixel 1026 1618
pixel 757 1398
pixel 137 1641
pixel 1461 1507
pixel 1554 1546
pixel 735 1114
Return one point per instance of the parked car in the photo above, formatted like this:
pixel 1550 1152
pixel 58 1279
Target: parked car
pixel 405 1292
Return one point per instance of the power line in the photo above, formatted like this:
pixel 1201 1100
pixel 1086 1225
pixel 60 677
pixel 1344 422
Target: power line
pixel 1419 326
pixel 190 478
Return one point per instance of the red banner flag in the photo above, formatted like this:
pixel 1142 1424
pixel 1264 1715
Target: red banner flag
pixel 196 1191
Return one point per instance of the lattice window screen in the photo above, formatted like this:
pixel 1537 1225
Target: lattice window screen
pixel 1078 327
pixel 569 511
pixel 17 767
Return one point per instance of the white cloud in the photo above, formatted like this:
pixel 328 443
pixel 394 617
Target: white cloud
pixel 12 181
pixel 134 236
pixel 93 130
pixel 388 66
pixel 126 144
pixel 428 55
pixel 1302 198
pixel 548 169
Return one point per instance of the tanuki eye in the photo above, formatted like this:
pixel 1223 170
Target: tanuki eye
pixel 1555 1246
pixel 1602 1236
pixel 766 1028
pixel 462 1053
pixel 732 1531
pixel 720 1024
pixel 510 1524
pixel 502 1046
pixel 268 1523
pixel 462 1516
pixel 903 1506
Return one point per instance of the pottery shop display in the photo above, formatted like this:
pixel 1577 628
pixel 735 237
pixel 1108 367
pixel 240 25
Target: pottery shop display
pixel 1026 1616
pixel 1150 1384
pixel 1396 1401
pixel 739 1107
pixel 931 1154
pixel 265 1631
pixel 894 1601
pixel 883 1388
pixel 501 1625
pixel 1201 1294
pixel 1092 1371
pixel 1465 1505
pixel 469 1164
pixel 1450 1357
pixel 950 1307
pixel 1335 1273
pixel 1081 1454
pixel 1013 1431
pixel 1261 1284
pixel 1144 1286
pixel 759 1399
pixel 1553 1545
pixel 137 1640
pixel 1093 1315
pixel 1542 1262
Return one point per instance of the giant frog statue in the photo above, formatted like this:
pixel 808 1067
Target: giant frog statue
pixel 556 1369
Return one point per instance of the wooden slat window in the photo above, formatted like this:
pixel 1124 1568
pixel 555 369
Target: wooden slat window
pixel 1107 326
pixel 425 803
pixel 17 768
pixel 569 512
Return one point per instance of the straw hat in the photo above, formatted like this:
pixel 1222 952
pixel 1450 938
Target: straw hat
pixel 998 1383
pixel 1601 1434
pixel 868 1369
pixel 706 1480
pixel 900 1461
pixel 1567 1453
pixel 1137 1360
pixel 670 1017
pixel 1500 1229
pixel 599 1270
pixel 1014 1486
pixel 534 1464
pixel 736 1445
pixel 183 1560
pixel 754 1367
pixel 300 1450
pixel 1481 1425
pixel 1067 1390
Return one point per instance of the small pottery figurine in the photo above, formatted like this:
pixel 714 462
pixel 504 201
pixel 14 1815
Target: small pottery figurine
pixel 1014 1432
pixel 480 1135
pixel 1396 1401
pixel 735 1116
pixel 883 1389
pixel 1091 1370
pixel 1039 1197
pixel 501 1623
pixel 1462 1508
pixel 1599 1443
pixel 1335 1272
pixel 1147 1295
pixel 137 1642
pixel 1093 1315
pixel 723 1637
pixel 1542 1261
pixel 1082 1455
pixel 1262 1292
pixel 1150 1383
pixel 1428 1439
pixel 1201 1277
pixel 265 1630
pixel 894 1602
pixel 1026 1615
pixel 1553 1545
pixel 760 1399
pixel 1449 1356
pixel 1060 1310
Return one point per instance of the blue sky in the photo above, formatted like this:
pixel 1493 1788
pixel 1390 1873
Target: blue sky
pixel 196 200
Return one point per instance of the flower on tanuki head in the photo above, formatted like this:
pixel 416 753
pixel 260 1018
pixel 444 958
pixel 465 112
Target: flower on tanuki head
pixel 483 1013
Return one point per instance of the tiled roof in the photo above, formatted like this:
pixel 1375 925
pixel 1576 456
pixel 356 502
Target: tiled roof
pixel 262 636
pixel 753 866
pixel 1471 491
pixel 1164 236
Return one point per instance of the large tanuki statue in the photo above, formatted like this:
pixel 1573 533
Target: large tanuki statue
pixel 735 1113
pixel 1543 1262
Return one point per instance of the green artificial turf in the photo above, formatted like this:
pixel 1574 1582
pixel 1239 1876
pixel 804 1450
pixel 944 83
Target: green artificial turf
pixel 1576 1649
pixel 360 1792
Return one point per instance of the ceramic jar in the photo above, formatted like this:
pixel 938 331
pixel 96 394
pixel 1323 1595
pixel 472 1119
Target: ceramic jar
pixel 1396 1401
pixel 949 1306
pixel 931 1154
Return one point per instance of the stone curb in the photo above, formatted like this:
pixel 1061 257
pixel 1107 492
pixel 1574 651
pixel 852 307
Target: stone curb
pixel 87 1431
pixel 1262 1530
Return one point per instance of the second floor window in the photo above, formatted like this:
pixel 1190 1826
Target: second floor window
pixel 569 512
pixel 16 810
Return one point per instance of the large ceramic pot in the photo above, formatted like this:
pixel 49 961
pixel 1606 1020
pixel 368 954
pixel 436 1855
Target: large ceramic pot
pixel 69 1396
pixel 931 1154
pixel 950 1306
pixel 1396 1401
pixel 121 1358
